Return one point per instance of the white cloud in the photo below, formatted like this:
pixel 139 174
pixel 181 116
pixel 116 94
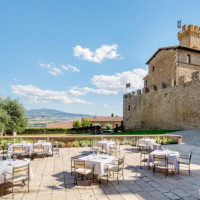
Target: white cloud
pixel 15 79
pixel 105 105
pixel 100 54
pixel 70 68
pixel 112 84
pixel 37 95
pixel 55 71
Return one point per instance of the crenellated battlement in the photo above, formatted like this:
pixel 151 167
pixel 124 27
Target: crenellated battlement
pixel 195 77
pixel 190 36
pixel 187 30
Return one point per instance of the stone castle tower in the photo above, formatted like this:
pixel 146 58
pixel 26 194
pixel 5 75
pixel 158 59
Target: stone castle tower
pixel 171 95
pixel 190 37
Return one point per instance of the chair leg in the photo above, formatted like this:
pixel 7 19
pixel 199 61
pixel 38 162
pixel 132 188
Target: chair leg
pixel 12 192
pixel 189 170
pixel 118 177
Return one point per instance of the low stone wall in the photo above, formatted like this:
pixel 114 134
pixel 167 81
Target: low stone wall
pixel 177 138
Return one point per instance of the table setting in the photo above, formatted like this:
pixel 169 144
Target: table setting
pixel 6 167
pixel 172 156
pixel 99 160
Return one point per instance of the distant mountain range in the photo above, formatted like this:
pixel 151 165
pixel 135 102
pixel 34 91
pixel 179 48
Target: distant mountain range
pixel 51 113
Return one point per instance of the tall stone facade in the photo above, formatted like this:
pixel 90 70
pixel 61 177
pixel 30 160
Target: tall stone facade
pixel 170 98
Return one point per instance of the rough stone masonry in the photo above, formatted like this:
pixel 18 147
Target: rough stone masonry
pixel 170 98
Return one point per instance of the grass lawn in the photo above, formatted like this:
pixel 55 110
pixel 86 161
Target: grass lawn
pixel 145 132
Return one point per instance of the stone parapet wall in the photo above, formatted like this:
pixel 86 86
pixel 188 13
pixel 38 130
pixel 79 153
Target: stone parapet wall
pixel 168 107
pixel 66 139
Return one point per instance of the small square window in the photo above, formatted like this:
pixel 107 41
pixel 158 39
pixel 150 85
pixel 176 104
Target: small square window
pixel 153 69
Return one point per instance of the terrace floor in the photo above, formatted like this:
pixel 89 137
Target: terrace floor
pixel 52 180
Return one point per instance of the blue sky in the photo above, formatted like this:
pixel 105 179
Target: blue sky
pixel 77 56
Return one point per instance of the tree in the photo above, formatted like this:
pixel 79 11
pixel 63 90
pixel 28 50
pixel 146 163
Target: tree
pixel 85 123
pixel 108 126
pixel 112 115
pixel 76 124
pixel 15 115
pixel 4 118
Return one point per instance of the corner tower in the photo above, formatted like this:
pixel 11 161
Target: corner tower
pixel 189 37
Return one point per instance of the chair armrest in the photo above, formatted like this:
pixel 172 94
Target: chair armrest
pixel 184 157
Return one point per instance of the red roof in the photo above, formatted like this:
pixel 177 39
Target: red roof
pixel 59 125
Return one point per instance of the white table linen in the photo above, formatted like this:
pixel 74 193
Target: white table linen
pixel 7 166
pixel 28 148
pixel 106 144
pixel 171 155
pixel 99 161
pixel 47 147
pixel 148 142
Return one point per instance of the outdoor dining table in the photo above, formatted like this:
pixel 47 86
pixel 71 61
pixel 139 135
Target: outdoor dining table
pixel 148 142
pixel 106 144
pixel 171 155
pixel 6 167
pixel 28 148
pixel 99 161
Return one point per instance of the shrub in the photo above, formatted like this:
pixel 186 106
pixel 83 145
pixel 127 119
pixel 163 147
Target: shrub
pixel 85 123
pixel 124 142
pixel 61 144
pixel 84 143
pixel 164 140
pixel 158 140
pixel 132 142
pixel 108 126
pixel 69 144
pixel 75 143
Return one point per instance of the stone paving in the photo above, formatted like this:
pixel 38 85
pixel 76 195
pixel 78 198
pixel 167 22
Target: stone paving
pixel 52 180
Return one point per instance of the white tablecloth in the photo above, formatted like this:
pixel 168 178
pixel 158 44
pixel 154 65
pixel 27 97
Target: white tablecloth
pixel 7 166
pixel 106 144
pixel 99 161
pixel 28 148
pixel 148 142
pixel 171 155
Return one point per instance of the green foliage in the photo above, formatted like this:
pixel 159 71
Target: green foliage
pixel 75 143
pixel 164 140
pixel 144 132
pixel 132 142
pixel 112 115
pixel 124 142
pixel 158 140
pixel 14 114
pixel 85 123
pixel 76 124
pixel 108 126
pixel 61 144
pixel 4 118
pixel 84 143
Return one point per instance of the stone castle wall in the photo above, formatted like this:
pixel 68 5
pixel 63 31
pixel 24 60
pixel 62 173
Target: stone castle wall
pixel 171 107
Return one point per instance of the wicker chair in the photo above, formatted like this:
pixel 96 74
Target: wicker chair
pixel 37 150
pixel 144 155
pixel 80 168
pixel 19 174
pixel 96 148
pixel 116 168
pixel 18 151
pixel 185 160
pixel 161 162
pixel 115 149
pixel 141 145
pixel 55 148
